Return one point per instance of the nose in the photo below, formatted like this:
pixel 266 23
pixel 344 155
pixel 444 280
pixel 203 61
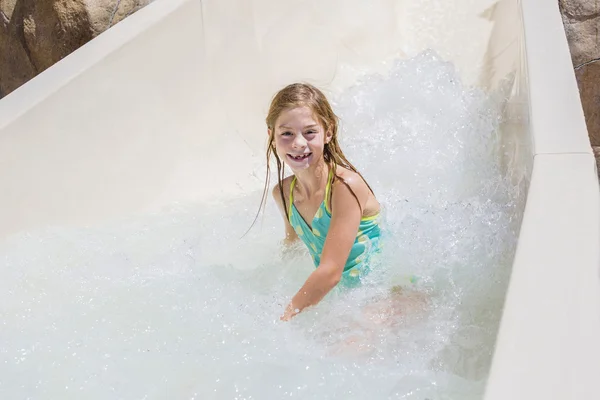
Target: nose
pixel 299 142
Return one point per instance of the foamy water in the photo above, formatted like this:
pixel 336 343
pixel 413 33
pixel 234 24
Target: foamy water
pixel 178 306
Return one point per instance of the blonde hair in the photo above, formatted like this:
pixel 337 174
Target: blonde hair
pixel 305 95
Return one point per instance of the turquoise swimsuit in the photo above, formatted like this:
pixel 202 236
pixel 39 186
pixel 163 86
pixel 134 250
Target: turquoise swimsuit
pixel 366 244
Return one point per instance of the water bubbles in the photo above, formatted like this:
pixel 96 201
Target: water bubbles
pixel 177 302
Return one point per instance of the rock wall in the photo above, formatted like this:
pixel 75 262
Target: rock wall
pixel 35 34
pixel 581 19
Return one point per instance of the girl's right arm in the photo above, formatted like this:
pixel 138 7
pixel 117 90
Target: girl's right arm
pixel 290 234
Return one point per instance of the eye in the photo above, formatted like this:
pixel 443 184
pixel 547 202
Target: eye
pixel 286 133
pixel 311 132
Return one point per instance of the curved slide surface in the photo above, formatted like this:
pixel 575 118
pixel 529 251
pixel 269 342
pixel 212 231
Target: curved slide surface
pixel 136 120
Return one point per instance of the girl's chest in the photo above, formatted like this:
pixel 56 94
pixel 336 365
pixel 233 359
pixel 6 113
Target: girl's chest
pixel 310 210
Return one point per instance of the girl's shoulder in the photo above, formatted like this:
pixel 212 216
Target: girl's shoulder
pixel 350 186
pixel 352 180
pixel 285 184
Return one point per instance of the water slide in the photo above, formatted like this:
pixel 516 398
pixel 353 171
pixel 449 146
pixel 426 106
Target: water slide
pixel 137 120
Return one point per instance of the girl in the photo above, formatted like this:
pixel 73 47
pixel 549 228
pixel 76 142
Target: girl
pixel 326 202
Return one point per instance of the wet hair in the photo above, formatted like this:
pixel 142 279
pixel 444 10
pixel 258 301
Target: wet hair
pixel 305 95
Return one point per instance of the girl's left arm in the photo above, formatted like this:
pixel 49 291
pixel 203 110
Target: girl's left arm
pixel 345 219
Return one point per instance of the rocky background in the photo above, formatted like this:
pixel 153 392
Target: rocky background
pixel 35 34
pixel 582 25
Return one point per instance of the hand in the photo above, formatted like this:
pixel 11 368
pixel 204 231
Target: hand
pixel 289 313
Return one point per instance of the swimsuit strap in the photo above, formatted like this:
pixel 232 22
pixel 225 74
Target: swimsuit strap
pixel 328 190
pixel 291 198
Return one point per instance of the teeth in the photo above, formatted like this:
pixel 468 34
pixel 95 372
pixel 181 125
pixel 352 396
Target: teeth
pixel 302 157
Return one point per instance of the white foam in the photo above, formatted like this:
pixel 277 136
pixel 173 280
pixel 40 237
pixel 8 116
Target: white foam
pixel 177 303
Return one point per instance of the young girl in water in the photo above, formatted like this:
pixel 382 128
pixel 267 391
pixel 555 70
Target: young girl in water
pixel 326 202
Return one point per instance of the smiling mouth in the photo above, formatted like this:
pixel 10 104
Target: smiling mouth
pixel 300 157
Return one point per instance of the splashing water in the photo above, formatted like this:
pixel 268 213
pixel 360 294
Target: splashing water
pixel 177 304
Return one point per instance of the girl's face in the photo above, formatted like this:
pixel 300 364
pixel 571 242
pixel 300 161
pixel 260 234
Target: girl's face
pixel 299 139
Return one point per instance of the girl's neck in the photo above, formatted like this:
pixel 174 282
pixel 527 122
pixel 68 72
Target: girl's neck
pixel 313 179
